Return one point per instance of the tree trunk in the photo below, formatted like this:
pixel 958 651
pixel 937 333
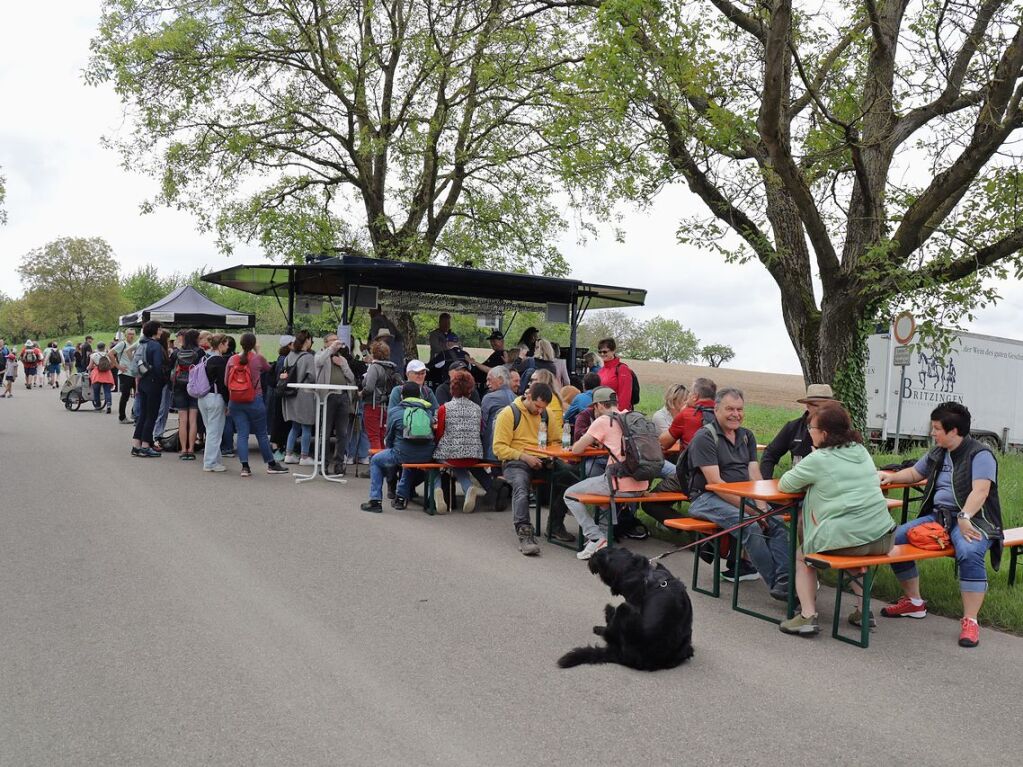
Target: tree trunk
pixel 406 323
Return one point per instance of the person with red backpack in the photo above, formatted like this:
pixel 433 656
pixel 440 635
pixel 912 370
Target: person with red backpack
pixel 182 360
pixel 101 376
pixel 616 375
pixel 246 406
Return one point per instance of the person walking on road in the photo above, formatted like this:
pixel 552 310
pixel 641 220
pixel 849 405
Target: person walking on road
pixel 101 377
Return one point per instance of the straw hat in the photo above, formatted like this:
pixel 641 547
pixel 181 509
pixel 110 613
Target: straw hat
pixel 817 393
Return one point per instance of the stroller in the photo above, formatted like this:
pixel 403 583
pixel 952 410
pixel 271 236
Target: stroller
pixel 76 390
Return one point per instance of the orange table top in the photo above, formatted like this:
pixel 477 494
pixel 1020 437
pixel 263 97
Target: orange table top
pixel 901 485
pixel 557 451
pixel 759 490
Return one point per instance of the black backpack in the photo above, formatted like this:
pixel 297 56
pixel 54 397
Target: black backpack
pixel 686 473
pixel 185 360
pixel 641 448
pixel 289 375
pixel 55 358
pixel 706 412
pixel 635 388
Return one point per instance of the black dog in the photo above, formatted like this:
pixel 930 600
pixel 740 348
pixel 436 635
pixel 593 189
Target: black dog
pixel 652 629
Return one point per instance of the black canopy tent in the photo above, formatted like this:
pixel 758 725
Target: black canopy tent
pixel 404 286
pixel 187 307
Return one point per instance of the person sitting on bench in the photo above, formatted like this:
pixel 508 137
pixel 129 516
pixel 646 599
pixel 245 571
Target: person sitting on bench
pixel 605 431
pixel 844 511
pixel 961 495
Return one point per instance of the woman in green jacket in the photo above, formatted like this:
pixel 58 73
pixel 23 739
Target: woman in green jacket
pixel 844 511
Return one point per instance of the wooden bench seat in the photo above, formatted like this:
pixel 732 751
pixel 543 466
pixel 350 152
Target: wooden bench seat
pixel 843 564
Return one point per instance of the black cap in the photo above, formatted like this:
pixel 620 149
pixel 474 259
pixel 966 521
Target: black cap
pixel 458 365
pixel 497 335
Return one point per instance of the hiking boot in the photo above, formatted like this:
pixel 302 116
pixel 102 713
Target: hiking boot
pixel 471 496
pixel 439 501
pixel 559 533
pixel 591 548
pixel 275 468
pixel 856 618
pixel 246 471
pixel 527 541
pixel 399 503
pixel 904 609
pixel 373 505
pixel 800 625
pixel 969 635
pixel 747 572
pixel 108 410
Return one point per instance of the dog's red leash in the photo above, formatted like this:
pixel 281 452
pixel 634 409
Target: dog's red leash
pixel 732 529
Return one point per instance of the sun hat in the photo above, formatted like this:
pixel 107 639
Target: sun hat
pixel 604 395
pixel 285 340
pixel 817 393
pixel 415 366
pixel 384 332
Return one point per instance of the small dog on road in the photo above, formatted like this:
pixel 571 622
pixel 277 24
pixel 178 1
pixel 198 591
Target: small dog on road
pixel 652 629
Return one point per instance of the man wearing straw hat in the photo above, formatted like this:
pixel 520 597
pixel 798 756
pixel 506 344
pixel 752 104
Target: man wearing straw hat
pixel 794 436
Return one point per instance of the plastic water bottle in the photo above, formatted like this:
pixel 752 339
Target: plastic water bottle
pixel 566 436
pixel 541 436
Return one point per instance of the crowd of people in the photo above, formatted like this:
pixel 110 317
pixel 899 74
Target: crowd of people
pixel 486 420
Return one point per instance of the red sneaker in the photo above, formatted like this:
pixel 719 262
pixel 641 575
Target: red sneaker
pixel 969 636
pixel 904 609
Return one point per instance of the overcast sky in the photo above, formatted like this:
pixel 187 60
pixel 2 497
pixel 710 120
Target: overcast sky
pixel 61 182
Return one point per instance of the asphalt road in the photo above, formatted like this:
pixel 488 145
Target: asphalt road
pixel 154 614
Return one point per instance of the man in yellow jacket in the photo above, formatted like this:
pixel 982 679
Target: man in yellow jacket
pixel 514 432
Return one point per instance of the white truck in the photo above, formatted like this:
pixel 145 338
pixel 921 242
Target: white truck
pixel 982 372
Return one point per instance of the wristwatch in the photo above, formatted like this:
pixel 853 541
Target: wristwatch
pixel 963 515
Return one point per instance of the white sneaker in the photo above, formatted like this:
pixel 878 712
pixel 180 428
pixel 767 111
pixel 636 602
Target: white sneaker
pixel 307 461
pixel 215 467
pixel 471 496
pixel 591 548
pixel 438 500
pixel 291 458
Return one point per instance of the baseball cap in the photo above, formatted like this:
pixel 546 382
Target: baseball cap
pixel 458 365
pixel 415 366
pixel 605 395
pixel 497 335
pixel 285 340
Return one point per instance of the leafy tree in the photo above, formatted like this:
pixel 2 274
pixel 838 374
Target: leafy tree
pixel 870 145
pixel 610 323
pixel 3 198
pixel 401 129
pixel 717 354
pixel 73 281
pixel 665 339
pixel 144 287
pixel 18 321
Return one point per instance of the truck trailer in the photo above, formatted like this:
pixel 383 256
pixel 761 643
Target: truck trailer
pixel 982 372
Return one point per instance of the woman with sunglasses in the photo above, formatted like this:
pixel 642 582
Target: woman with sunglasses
pixel 614 373
pixel 844 511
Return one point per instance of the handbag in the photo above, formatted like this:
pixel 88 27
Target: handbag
pixel 930 536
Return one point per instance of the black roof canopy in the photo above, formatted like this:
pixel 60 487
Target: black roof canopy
pixel 187 307
pixel 411 285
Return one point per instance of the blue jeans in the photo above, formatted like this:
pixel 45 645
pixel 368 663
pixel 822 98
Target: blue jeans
pixel 212 408
pixel 463 478
pixel 379 465
pixel 306 430
pixel 969 556
pixel 769 552
pixel 161 418
pixel 250 417
pixel 107 398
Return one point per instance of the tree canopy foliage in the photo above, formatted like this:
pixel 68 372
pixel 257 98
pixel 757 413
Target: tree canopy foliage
pixel 665 339
pixel 864 153
pixel 716 355
pixel 70 281
pixel 403 129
